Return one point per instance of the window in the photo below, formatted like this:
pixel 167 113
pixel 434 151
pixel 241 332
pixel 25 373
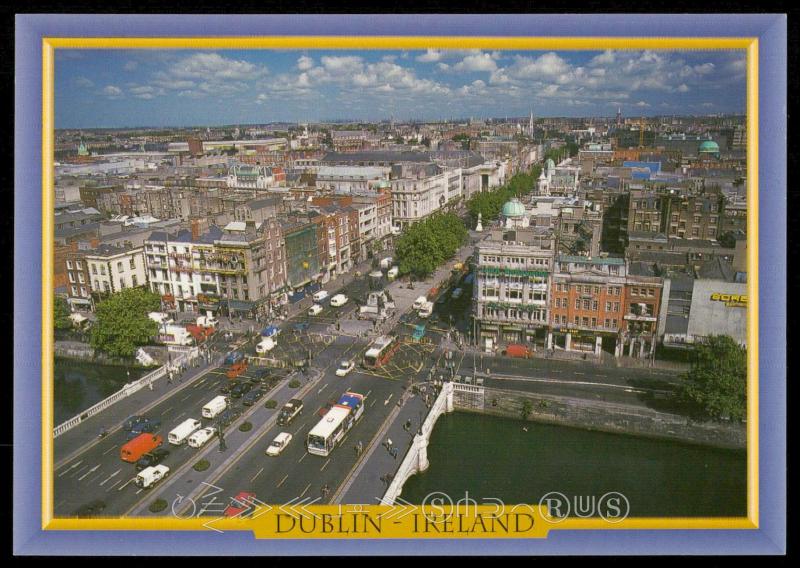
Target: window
pixel 72 277
pixel 585 322
pixel 134 281
pixel 577 304
pixel 577 320
pixel 78 265
pixel 74 290
pixel 133 264
pixel 103 269
pixel 586 304
pixel 607 323
pixel 94 269
pixel 614 324
pixel 616 306
pixel 594 322
pixel 69 265
pixel 594 306
pixel 608 306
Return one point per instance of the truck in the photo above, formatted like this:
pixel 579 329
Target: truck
pixel 289 411
pixel 386 263
pixel 181 432
pixel 426 310
pixel 214 407
pixel 516 350
pixel 419 302
pixel 199 438
pixel 266 345
pixel 140 445
pixel 172 334
pixel 149 476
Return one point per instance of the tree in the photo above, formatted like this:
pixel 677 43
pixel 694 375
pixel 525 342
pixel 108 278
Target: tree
pixel 717 380
pixel 123 323
pixel 61 319
pixel 427 244
pixel 728 239
pixel 527 408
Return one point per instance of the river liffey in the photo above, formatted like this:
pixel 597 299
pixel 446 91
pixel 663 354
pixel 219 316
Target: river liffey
pixel 491 457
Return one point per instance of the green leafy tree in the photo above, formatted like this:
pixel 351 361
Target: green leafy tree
pixel 527 408
pixel 122 321
pixel 717 380
pixel 429 243
pixel 61 320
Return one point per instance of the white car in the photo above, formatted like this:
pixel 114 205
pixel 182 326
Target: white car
pixel 151 475
pixel 199 438
pixel 344 368
pixel 314 310
pixel 320 295
pixel 338 300
pixel 279 443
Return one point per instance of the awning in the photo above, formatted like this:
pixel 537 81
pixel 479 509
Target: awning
pixel 240 305
pixel 269 331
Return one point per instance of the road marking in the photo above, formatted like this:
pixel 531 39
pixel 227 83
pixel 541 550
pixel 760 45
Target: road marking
pixel 285 477
pixel 182 414
pixel 70 468
pixel 385 402
pixel 323 388
pixel 109 449
pixel 126 484
pixel 372 403
pixel 109 477
pixel 304 490
pixel 167 410
pixel 369 392
pixel 140 490
pixel 187 396
pixel 198 384
pixel 298 430
pixel 110 487
pixel 324 466
pixel 580 373
pixel 77 471
pixel 252 479
pixel 302 458
pixel 95 468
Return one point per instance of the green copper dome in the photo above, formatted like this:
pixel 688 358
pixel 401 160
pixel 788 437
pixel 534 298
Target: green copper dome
pixel 709 147
pixel 513 208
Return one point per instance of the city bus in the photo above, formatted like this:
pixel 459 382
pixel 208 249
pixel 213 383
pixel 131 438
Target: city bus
pixel 381 351
pixel 335 424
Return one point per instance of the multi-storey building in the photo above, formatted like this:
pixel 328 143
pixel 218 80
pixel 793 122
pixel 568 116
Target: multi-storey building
pixel 642 305
pixel 418 192
pixel 78 281
pixel 114 268
pixel 511 292
pixel 587 304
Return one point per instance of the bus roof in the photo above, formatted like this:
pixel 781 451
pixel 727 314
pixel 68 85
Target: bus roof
pixel 381 342
pixel 330 422
pixel 350 399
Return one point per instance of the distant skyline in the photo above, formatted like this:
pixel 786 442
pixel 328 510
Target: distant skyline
pixel 133 88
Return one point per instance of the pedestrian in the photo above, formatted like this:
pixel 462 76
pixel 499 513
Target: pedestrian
pixel 389 442
pixel 394 453
pixel 150 385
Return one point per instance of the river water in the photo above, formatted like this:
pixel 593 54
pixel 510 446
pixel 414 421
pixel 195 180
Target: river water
pixel 491 457
pixel 78 385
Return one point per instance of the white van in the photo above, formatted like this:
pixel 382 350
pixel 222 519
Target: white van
pixel 199 438
pixel 314 310
pixel 149 476
pixel 185 429
pixel 386 263
pixel 267 344
pixel 214 407
pixel 392 273
pixel 320 295
pixel 419 302
pixel 426 310
pixel 338 300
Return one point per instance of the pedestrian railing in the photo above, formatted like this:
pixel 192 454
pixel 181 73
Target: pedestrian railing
pixel 130 388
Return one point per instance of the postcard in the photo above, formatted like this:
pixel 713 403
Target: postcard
pixel 293 284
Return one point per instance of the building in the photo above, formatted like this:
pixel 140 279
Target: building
pixel 557 180
pixel 349 179
pixel 418 191
pixel 115 268
pixel 306 251
pixel 259 210
pixel 244 176
pixel 375 219
pixel 349 140
pixel 511 295
pixel 587 304
pixel 643 291
pixel 78 281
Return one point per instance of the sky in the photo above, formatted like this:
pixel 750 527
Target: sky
pixel 130 88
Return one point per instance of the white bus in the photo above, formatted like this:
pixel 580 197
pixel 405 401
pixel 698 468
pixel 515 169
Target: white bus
pixel 185 429
pixel 335 424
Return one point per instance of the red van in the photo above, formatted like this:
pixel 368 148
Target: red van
pixel 139 446
pixel 515 350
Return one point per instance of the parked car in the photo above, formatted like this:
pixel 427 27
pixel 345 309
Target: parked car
pixel 252 397
pixel 320 295
pixel 199 438
pixel 314 310
pixel 279 443
pixel 237 369
pixel 338 300
pixel 152 458
pixel 234 358
pixel 240 390
pixel 132 422
pixel 149 476
pixel 226 388
pixel 259 376
pixel 344 368
pixel 242 505
pixel 266 345
pixel 145 426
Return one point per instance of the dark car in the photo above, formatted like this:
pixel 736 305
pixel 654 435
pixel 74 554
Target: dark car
pixel 259 376
pixel 132 422
pixel 228 387
pixel 252 397
pixel 152 458
pixel 145 426
pixel 234 358
pixel 240 390
pixel 90 509
pixel 228 416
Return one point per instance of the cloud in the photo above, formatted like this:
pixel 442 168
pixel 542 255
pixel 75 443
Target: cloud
pixel 84 82
pixel 605 58
pixel 682 88
pixel 477 62
pixel 430 56
pixel 145 92
pixel 305 63
pixel 112 91
pixel 130 66
pixel 549 64
pixel 642 104
pixel 215 68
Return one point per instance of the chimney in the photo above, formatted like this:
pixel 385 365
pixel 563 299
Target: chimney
pixel 195 223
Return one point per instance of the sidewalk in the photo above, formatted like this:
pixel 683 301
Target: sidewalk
pixel 366 486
